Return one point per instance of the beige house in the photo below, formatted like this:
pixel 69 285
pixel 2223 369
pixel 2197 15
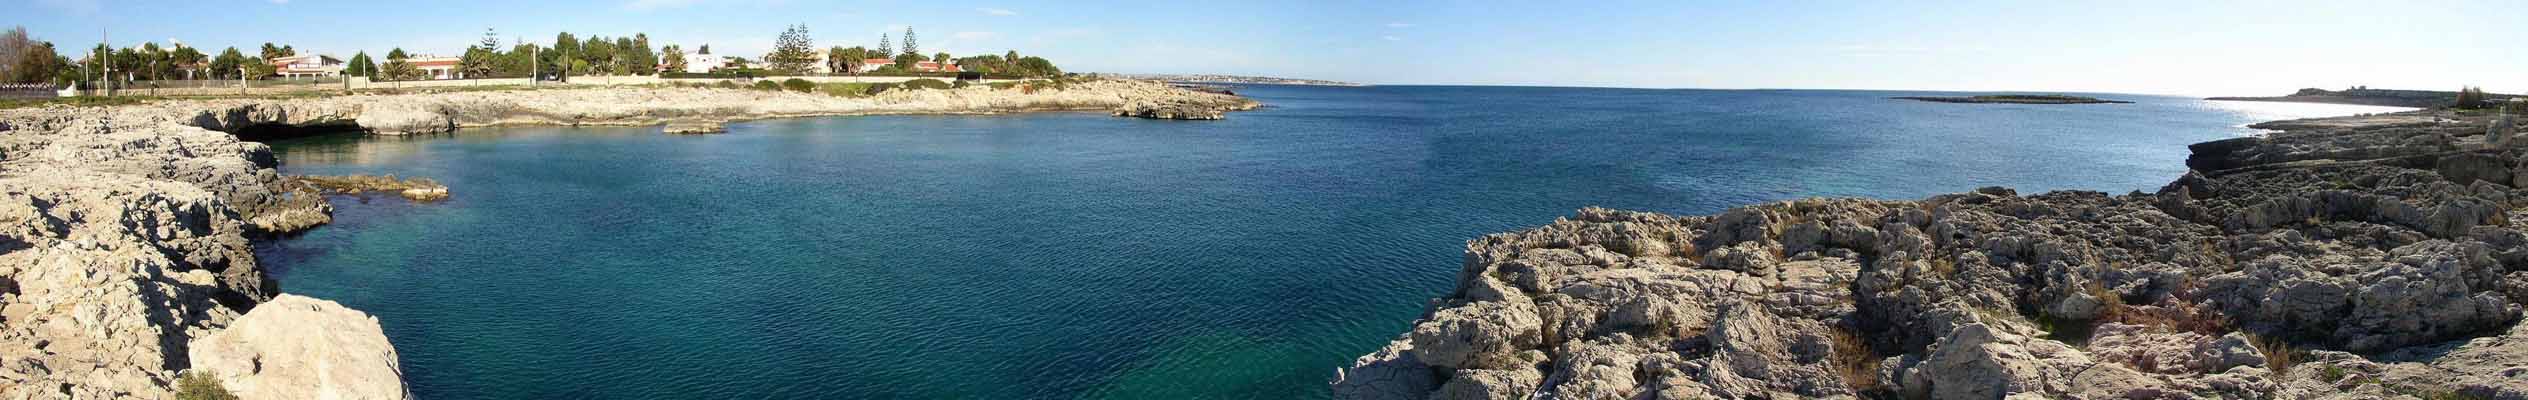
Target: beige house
pixel 311 65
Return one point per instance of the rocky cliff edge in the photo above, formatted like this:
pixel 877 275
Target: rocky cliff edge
pixel 2343 258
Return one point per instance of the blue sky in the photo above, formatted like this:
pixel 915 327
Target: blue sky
pixel 2219 48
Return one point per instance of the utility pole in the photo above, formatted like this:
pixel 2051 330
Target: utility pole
pixel 105 50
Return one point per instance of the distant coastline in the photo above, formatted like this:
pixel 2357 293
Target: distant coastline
pixel 2369 97
pixel 2013 99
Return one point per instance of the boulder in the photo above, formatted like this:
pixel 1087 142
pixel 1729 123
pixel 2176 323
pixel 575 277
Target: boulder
pixel 2466 168
pixel 1477 336
pixel 295 347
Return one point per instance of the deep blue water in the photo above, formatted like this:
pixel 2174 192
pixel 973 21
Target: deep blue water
pixel 1071 255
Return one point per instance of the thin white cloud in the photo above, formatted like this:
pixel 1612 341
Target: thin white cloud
pixel 1391 38
pixel 996 11
pixel 1399 25
pixel 280 1
pixel 972 35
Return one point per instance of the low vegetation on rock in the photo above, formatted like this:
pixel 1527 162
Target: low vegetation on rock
pixel 925 84
pixel 196 386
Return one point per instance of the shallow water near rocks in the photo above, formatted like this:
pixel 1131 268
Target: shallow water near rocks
pixel 1075 255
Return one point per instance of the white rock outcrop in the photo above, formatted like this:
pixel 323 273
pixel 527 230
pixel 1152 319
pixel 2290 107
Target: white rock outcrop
pixel 295 347
pixel 124 240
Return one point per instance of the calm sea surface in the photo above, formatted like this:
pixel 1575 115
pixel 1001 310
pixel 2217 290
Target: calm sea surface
pixel 1075 255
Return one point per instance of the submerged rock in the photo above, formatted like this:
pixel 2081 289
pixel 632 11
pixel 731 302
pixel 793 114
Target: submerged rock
pixel 2362 257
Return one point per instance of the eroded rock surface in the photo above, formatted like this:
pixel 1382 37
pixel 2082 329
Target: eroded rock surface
pixel 123 240
pixel 295 347
pixel 2357 257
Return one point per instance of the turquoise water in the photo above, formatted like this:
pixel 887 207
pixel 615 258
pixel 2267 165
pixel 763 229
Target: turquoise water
pixel 1074 255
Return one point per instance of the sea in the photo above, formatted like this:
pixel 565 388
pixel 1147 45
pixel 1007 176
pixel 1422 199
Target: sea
pixel 1066 255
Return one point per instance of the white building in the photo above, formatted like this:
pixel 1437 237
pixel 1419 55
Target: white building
pixel 312 65
pixel 437 67
pixel 703 63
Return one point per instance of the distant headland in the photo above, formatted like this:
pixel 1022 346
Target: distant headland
pixel 2015 99
pixel 2363 95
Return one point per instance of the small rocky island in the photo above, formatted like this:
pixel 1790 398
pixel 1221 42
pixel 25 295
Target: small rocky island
pixel 2014 99
pixel 2369 257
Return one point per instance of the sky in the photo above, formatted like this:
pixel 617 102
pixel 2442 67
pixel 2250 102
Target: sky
pixel 2158 47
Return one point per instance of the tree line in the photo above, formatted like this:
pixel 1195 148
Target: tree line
pixel 794 53
pixel 24 59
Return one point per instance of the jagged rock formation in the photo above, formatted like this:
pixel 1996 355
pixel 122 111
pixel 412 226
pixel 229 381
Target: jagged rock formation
pixel 125 244
pixel 2363 257
pixel 295 347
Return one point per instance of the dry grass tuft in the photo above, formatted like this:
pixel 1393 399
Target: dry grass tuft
pixel 1853 360
pixel 2279 355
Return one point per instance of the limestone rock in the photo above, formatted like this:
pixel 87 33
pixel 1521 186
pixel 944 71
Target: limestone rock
pixel 1480 335
pixel 400 118
pixel 2387 253
pixel 295 347
pixel 694 128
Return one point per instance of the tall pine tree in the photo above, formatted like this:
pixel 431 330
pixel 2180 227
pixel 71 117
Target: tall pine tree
pixel 909 46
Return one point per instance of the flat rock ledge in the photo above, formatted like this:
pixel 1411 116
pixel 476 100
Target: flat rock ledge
pixel 1182 109
pixel 415 189
pixel 2346 258
pixel 694 128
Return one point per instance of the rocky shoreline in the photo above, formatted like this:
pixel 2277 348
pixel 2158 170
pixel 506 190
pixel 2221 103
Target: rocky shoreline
pixel 125 256
pixel 2370 257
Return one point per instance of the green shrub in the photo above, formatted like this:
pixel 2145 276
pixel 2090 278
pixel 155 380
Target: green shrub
pixel 962 84
pixel 842 89
pixel 926 83
pixel 767 85
pixel 1002 85
pixel 798 85
pixel 195 386
pixel 875 88
pixel 725 85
